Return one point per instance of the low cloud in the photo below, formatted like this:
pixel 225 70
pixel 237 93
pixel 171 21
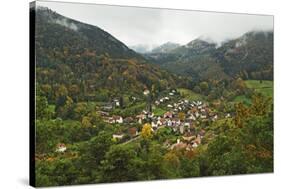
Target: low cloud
pixel 67 24
pixel 134 26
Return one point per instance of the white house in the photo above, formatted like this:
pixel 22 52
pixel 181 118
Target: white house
pixel 186 124
pixel 194 145
pixel 153 124
pixel 61 148
pixel 159 122
pixel 203 116
pixel 146 92
pixel 157 102
pixel 169 123
pixel 167 98
pixel 118 119
pixel 181 129
pixel 191 117
pixel 117 136
pixel 215 118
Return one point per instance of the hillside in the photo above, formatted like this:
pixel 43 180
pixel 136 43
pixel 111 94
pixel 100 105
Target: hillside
pixel 87 60
pixel 249 56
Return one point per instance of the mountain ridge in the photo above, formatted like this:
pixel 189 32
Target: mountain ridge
pixel 248 56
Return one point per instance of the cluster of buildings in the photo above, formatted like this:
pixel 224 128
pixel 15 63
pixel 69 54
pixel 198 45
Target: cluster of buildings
pixel 183 116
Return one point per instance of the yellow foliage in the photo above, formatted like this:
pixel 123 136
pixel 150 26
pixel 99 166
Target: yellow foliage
pixel 86 122
pixel 182 116
pixel 146 131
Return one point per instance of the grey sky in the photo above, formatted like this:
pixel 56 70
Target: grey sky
pixel 149 26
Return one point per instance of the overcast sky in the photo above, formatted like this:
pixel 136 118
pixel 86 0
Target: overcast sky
pixel 149 26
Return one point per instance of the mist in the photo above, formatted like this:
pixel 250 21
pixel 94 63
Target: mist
pixel 150 26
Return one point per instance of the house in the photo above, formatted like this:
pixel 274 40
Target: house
pixel 145 112
pixel 118 136
pixel 191 117
pixel 159 122
pixel 157 102
pixel 61 148
pixel 117 103
pixel 169 106
pixel 176 122
pixel 150 115
pixel 154 124
pixel 117 119
pixel 133 131
pixel 227 115
pixel 146 92
pixel 169 123
pixel 102 113
pixel 163 121
pixel 187 124
pixel 168 115
pixel 215 118
pixel 140 117
pixel 128 120
pixel 181 129
pixel 171 94
pixel 203 116
pixel 109 120
pixel 194 145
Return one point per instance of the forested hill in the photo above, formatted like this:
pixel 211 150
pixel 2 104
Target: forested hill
pixel 89 61
pixel 77 36
pixel 249 57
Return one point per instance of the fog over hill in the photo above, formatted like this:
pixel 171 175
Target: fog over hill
pixel 142 26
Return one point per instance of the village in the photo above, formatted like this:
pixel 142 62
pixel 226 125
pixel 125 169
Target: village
pixel 187 118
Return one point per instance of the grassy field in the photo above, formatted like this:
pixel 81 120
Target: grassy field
pixel 243 99
pixel 158 111
pixel 264 87
pixel 190 94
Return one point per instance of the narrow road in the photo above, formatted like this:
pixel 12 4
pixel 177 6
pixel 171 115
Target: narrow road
pixel 137 137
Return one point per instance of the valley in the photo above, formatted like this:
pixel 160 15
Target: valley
pixel 105 113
